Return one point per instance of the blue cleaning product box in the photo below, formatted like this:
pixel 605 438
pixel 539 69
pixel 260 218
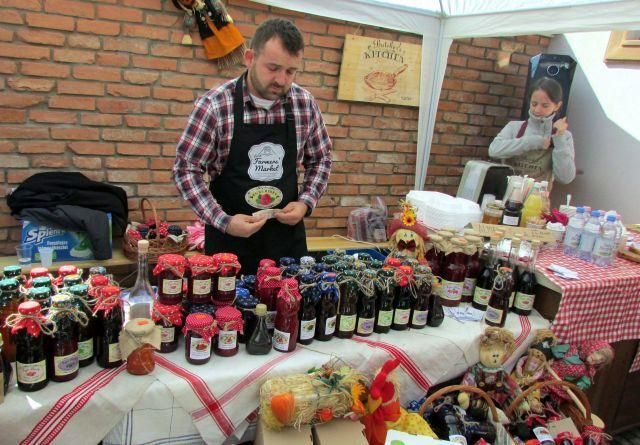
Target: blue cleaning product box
pixel 67 245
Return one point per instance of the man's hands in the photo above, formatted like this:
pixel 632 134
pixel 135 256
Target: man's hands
pixel 243 226
pixel 292 213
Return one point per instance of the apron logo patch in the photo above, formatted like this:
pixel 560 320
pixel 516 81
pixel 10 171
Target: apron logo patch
pixel 265 162
pixel 263 197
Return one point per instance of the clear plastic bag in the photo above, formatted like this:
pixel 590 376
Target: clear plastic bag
pixel 369 223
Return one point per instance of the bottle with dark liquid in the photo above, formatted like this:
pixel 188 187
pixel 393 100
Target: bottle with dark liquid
pixel 80 293
pixel 108 325
pixel 31 364
pixel 326 312
pixel 454 272
pixel 260 341
pixel 9 301
pixel 420 309
pixel 385 291
pixel 435 316
pixel 267 286
pixel 484 284
pixel 498 307
pixel 310 295
pixel 5 368
pixel 348 305
pixel 526 287
pixel 404 298
pixel 62 357
pixel 367 304
pixel 473 267
pixel 285 333
pixel 513 209
pixel 514 262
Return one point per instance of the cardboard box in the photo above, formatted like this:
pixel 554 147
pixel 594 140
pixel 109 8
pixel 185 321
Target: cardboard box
pixel 287 436
pixel 67 245
pixel 339 432
pixel 397 437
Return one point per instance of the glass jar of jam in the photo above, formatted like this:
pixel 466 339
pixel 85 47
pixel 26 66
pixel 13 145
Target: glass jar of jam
pixel 310 293
pixel 385 292
pixel 229 321
pixel 199 330
pixel 403 298
pixel 367 304
pixel 246 304
pixel 227 268
pixel 169 272
pixel 82 303
pixel 348 304
pixel 40 294
pixel 29 327
pixel 263 265
pixel 200 279
pixel 14 271
pixel 453 273
pixel 9 301
pixel 108 324
pixel 285 333
pixel 326 312
pixel 420 309
pixel 62 357
pixel 169 318
pixel 267 289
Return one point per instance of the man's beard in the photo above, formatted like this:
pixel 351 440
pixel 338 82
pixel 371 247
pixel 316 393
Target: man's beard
pixel 266 92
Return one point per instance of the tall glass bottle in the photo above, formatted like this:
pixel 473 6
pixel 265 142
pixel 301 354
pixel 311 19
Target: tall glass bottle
pixel 327 307
pixel 268 284
pixel 5 368
pixel 62 357
pixel 29 328
pixel 498 306
pixel 526 287
pixel 108 312
pixel 80 293
pixel 513 209
pixel 310 296
pixel 514 262
pixel 472 268
pixel 9 301
pixel 404 298
pixel 367 304
pixel 260 341
pixel 348 305
pixel 484 283
pixel 385 291
pixel 138 303
pixel 285 333
pixel 420 308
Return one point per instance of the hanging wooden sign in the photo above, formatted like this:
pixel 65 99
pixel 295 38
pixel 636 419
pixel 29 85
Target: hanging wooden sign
pixel 380 71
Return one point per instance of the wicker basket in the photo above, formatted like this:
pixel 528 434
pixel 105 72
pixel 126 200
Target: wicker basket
pixel 502 435
pixel 158 246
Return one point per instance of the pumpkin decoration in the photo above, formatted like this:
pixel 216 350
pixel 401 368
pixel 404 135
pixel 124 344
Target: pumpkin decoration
pixel 283 407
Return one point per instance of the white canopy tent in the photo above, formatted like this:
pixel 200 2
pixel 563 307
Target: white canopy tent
pixel 441 21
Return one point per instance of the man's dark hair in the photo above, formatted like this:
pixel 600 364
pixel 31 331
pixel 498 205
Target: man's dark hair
pixel 284 29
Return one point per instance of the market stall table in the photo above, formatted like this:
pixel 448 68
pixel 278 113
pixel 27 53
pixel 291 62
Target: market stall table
pixel 182 403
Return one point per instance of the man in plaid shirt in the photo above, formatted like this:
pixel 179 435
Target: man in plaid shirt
pixel 250 135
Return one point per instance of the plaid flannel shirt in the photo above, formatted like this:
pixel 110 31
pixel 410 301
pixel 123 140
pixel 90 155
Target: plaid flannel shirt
pixel 206 141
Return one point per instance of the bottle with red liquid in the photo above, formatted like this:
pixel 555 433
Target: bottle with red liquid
pixel 267 288
pixel 484 283
pixel 348 305
pixel 5 368
pixel 109 321
pixel 170 271
pixel 263 265
pixel 224 279
pixel 229 322
pixel 420 309
pixel 200 279
pixel 498 307
pixel 169 318
pixel 453 273
pixel 9 301
pixel 310 296
pixel 199 330
pixel 404 297
pixel 82 303
pixel 473 267
pixel 285 333
pixel 434 255
pixel 30 329
pixel 367 304
pixel 526 287
pixel 62 357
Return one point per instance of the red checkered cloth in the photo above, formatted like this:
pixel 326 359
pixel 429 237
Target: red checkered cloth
pixel 603 303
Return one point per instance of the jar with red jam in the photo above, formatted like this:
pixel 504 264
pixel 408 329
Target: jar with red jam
pixel 62 357
pixel 229 321
pixel 169 272
pixel 169 318
pixel 267 289
pixel 109 319
pixel 199 330
pixel 200 279
pixel 263 265
pixel 454 273
pixel 227 268
pixel 285 333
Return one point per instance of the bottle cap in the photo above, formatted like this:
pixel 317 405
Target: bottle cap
pixel 261 310
pixel 143 246
pixel 580 210
pixel 611 218
pixel 29 307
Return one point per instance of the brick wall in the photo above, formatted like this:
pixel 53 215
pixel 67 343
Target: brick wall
pixel 104 87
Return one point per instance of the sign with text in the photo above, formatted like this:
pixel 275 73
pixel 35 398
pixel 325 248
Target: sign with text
pixel 544 235
pixel 380 71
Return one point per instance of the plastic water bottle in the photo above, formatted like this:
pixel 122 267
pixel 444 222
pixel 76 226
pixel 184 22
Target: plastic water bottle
pixel 573 232
pixel 605 245
pixel 590 234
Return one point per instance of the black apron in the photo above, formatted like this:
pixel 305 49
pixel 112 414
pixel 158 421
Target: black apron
pixel 261 169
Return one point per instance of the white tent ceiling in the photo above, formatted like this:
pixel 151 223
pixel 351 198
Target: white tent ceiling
pixel 441 21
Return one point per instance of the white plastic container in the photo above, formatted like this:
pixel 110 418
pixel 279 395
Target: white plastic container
pixel 438 210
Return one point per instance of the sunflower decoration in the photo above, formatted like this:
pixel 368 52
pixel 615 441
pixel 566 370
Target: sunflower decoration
pixel 407 235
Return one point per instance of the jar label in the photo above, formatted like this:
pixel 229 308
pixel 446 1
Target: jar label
pixel 30 373
pixel 523 301
pixel 271 319
pixel 307 329
pixel 401 316
pixel 199 349
pixel 66 364
pixel 281 340
pixel 385 318
pixel 114 353
pixel 419 318
pixel 226 284
pixel 451 290
pixel 227 339
pixel 572 238
pixel 469 286
pixel 167 335
pixel 365 325
pixel 481 296
pixel 493 315
pixel 201 287
pixel 171 287
pixel 510 220
pixel 330 325
pixel 347 323
pixel 543 435
pixel 85 349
